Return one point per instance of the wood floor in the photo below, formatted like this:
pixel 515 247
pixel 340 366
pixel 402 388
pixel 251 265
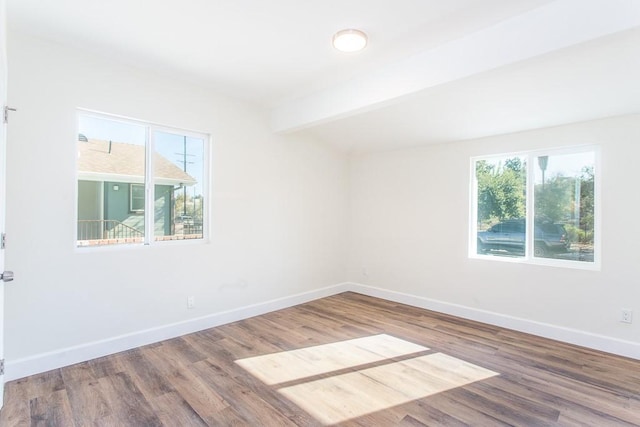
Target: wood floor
pixel 345 360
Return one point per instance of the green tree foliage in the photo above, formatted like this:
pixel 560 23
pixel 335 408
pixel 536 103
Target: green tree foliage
pixel 193 207
pixel 556 202
pixel 554 199
pixel 502 195
pixel 587 203
pixel 501 190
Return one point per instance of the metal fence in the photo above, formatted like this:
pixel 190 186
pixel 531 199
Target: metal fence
pixel 98 229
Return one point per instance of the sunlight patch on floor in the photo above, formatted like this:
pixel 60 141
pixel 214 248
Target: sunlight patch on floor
pixel 364 390
pixel 339 398
pixel 293 365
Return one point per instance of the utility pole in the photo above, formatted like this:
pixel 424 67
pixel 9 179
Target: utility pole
pixel 184 167
pixel 182 160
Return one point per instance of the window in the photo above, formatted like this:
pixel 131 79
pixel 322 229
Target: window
pixel 139 183
pixel 136 201
pixel 551 196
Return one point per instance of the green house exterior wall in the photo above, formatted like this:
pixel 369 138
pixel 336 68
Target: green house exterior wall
pixel 117 205
pixel 89 200
pixel 163 210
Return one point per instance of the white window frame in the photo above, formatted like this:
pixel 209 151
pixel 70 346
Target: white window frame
pixel 149 183
pixel 528 257
pixel 131 198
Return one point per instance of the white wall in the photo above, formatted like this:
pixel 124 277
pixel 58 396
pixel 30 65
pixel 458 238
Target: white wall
pixel 278 209
pixel 289 217
pixel 409 235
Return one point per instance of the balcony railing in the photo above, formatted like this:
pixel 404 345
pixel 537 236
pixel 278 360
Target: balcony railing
pixel 101 229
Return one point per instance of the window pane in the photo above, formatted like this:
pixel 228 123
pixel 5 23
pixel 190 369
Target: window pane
pixel 179 193
pixel 110 164
pixel 501 204
pixel 136 203
pixel 564 206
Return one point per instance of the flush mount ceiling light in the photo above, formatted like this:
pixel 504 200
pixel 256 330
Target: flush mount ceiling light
pixel 350 40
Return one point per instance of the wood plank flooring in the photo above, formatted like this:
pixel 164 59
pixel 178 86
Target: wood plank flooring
pixel 344 360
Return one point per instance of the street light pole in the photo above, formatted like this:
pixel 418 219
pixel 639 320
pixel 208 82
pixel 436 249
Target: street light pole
pixel 542 162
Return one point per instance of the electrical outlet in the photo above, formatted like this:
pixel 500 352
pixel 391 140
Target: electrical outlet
pixel 191 302
pixel 626 315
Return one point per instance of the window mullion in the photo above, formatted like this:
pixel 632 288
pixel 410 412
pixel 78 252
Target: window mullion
pixel 529 207
pixel 149 187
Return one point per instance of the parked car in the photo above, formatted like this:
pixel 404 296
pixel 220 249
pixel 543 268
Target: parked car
pixel 184 219
pixel 509 235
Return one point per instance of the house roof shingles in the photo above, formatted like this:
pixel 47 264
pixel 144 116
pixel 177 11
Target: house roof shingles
pixel 118 159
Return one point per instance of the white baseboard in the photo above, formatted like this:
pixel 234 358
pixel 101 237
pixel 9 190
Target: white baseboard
pixel 20 368
pixel 568 335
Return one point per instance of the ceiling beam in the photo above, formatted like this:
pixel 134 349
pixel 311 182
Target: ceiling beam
pixel 554 26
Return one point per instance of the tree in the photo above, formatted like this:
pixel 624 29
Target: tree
pixel 554 198
pixel 501 190
pixel 587 197
pixel 569 200
pixel 193 207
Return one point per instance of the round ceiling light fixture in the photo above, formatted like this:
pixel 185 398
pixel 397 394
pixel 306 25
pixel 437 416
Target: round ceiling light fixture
pixel 350 40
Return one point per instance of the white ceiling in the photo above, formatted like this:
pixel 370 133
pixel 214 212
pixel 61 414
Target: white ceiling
pixel 589 81
pixel 278 54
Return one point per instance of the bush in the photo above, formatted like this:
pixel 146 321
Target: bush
pixel 575 234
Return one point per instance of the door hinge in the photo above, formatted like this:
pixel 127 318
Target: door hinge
pixel 1 366
pixel 5 113
pixel 3 240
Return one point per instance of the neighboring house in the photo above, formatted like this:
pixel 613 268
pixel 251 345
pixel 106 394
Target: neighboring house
pixel 111 191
